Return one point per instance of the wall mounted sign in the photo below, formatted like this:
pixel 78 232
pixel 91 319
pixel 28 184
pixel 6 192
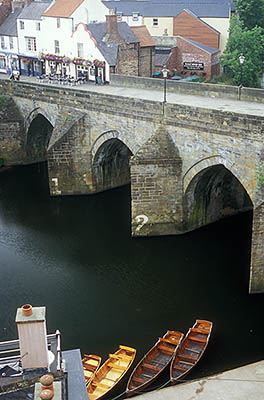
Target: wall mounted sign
pixel 193 65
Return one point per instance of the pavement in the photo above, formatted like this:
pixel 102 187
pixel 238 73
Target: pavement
pixel 244 383
pixel 208 102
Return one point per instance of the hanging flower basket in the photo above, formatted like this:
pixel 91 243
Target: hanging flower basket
pixel 55 57
pixel 78 61
pixel 98 63
pixel 26 60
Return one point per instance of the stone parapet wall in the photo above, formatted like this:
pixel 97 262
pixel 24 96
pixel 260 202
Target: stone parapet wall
pixel 200 89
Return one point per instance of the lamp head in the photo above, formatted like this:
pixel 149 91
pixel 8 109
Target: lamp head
pixel 165 72
pixel 241 59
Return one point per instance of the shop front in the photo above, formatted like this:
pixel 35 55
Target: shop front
pixel 3 63
pixel 31 66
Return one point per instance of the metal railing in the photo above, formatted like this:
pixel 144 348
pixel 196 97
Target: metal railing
pixel 10 350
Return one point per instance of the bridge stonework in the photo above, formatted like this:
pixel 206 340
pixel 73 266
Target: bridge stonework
pixel 188 165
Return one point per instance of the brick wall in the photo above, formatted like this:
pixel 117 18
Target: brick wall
pixel 187 52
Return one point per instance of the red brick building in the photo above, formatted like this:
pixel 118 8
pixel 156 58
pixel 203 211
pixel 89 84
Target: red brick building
pixel 196 58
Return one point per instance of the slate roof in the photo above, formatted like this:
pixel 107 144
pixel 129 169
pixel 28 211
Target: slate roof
pixel 143 35
pixel 162 56
pixel 109 51
pixel 208 49
pixel 9 26
pixel 63 8
pixel 34 10
pixel 170 8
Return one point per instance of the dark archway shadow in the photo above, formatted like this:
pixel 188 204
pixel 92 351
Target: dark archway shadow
pixel 111 165
pixel 214 193
pixel 38 136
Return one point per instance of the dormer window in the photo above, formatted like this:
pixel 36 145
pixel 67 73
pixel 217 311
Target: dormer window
pixel 135 16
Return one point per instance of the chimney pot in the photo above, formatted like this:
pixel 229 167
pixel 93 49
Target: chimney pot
pixel 27 310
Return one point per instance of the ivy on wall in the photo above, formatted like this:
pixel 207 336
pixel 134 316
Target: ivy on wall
pixel 260 176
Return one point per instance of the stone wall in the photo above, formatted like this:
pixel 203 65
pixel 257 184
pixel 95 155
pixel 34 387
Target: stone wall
pixel 200 89
pixel 12 137
pixel 146 61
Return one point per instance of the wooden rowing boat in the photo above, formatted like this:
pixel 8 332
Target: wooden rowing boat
pixel 154 362
pixel 91 364
pixel 111 372
pixel 191 350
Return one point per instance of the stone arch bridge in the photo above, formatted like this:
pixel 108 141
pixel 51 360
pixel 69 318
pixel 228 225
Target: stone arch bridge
pixel 187 166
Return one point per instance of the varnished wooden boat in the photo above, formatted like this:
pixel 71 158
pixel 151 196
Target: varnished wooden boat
pixel 154 362
pixel 111 372
pixel 91 364
pixel 190 350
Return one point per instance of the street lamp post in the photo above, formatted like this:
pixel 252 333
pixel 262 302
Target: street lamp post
pixel 165 74
pixel 241 62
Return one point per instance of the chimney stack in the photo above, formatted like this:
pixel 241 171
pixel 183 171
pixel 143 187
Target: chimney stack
pixel 32 335
pixel 112 35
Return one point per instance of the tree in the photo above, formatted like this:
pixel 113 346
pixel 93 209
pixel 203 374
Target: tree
pixel 251 12
pixel 249 43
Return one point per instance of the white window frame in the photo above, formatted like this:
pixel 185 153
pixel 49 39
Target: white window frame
pixel 37 26
pixel 155 22
pixel 3 46
pixel 80 51
pixel 58 23
pixel 119 16
pixel 56 46
pixel 11 42
pixel 21 24
pixel 135 16
pixel 31 43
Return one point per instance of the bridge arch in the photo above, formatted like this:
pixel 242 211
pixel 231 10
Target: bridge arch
pixel 212 161
pixel 107 135
pixel 38 135
pixel 213 193
pixel 111 164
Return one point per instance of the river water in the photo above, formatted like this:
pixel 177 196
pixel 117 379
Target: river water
pixel 103 288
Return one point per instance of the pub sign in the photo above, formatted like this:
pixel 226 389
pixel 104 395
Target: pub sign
pixel 193 65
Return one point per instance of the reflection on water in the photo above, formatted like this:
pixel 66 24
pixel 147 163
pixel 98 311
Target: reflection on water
pixel 102 288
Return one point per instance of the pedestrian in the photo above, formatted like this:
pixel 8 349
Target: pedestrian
pixel 12 76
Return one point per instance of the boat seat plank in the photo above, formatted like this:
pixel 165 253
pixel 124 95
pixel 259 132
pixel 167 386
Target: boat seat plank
pixel 195 338
pixel 138 379
pixel 180 368
pixel 102 385
pixel 187 356
pixel 199 330
pixel 174 342
pixel 89 367
pixel 120 357
pixel 150 366
pixel 168 349
pixel 127 348
pixel 113 365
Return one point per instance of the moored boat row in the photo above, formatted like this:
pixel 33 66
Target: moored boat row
pixel 180 352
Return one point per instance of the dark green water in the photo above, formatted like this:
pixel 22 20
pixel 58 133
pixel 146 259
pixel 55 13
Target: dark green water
pixel 102 288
